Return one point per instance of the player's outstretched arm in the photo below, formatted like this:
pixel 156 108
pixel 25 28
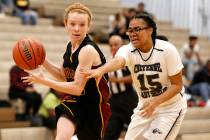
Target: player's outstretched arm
pixel 113 65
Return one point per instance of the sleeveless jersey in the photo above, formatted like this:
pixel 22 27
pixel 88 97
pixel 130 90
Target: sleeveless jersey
pixel 71 62
pixel 93 102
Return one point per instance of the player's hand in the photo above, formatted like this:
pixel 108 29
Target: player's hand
pixel 33 78
pixel 148 108
pixel 93 73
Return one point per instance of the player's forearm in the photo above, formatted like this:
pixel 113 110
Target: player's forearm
pixel 54 70
pixel 113 65
pixel 172 91
pixel 71 88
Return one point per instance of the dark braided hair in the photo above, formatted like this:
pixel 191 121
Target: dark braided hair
pixel 150 23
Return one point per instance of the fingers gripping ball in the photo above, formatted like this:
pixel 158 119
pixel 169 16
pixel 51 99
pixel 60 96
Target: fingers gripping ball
pixel 28 53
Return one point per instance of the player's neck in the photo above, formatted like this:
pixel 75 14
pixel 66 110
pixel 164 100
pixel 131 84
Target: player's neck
pixel 146 48
pixel 75 45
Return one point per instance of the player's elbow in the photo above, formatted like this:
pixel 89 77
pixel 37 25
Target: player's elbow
pixel 120 62
pixel 178 87
pixel 78 92
pixel 79 88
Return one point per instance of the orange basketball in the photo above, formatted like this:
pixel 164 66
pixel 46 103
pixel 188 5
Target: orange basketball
pixel 28 53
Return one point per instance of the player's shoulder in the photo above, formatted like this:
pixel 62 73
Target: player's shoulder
pixel 88 48
pixel 164 45
pixel 127 47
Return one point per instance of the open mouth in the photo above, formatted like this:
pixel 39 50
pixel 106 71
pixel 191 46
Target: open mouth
pixel 76 35
pixel 134 40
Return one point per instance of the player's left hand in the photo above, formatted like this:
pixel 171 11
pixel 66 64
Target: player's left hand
pixel 148 108
pixel 33 78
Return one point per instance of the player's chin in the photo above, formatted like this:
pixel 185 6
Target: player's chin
pixel 135 44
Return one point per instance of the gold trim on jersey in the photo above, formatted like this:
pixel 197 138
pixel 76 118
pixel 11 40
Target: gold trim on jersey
pixel 72 101
pixel 105 79
pixel 70 57
pixel 100 105
pixel 68 109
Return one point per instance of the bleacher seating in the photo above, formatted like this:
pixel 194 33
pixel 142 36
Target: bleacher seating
pixel 197 121
pixel 195 125
pixel 180 36
pixel 53 38
pixel 101 10
pixel 8 119
pixel 27 133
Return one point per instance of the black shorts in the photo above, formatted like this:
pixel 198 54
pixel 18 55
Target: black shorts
pixel 90 119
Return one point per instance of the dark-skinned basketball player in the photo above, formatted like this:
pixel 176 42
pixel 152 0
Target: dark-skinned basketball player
pixel 156 70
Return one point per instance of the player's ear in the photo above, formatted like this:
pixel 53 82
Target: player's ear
pixel 89 26
pixel 65 23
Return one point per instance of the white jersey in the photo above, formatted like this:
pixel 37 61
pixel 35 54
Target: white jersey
pixel 150 71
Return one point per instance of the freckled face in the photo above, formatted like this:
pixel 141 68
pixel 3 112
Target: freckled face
pixel 77 26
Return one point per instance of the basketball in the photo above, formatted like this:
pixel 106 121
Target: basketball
pixel 28 53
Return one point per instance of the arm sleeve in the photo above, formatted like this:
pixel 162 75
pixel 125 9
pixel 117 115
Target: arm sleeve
pixel 173 61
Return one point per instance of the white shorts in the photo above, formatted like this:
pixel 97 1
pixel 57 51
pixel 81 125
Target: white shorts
pixel 164 124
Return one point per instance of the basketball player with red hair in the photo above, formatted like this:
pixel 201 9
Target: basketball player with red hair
pixel 84 110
